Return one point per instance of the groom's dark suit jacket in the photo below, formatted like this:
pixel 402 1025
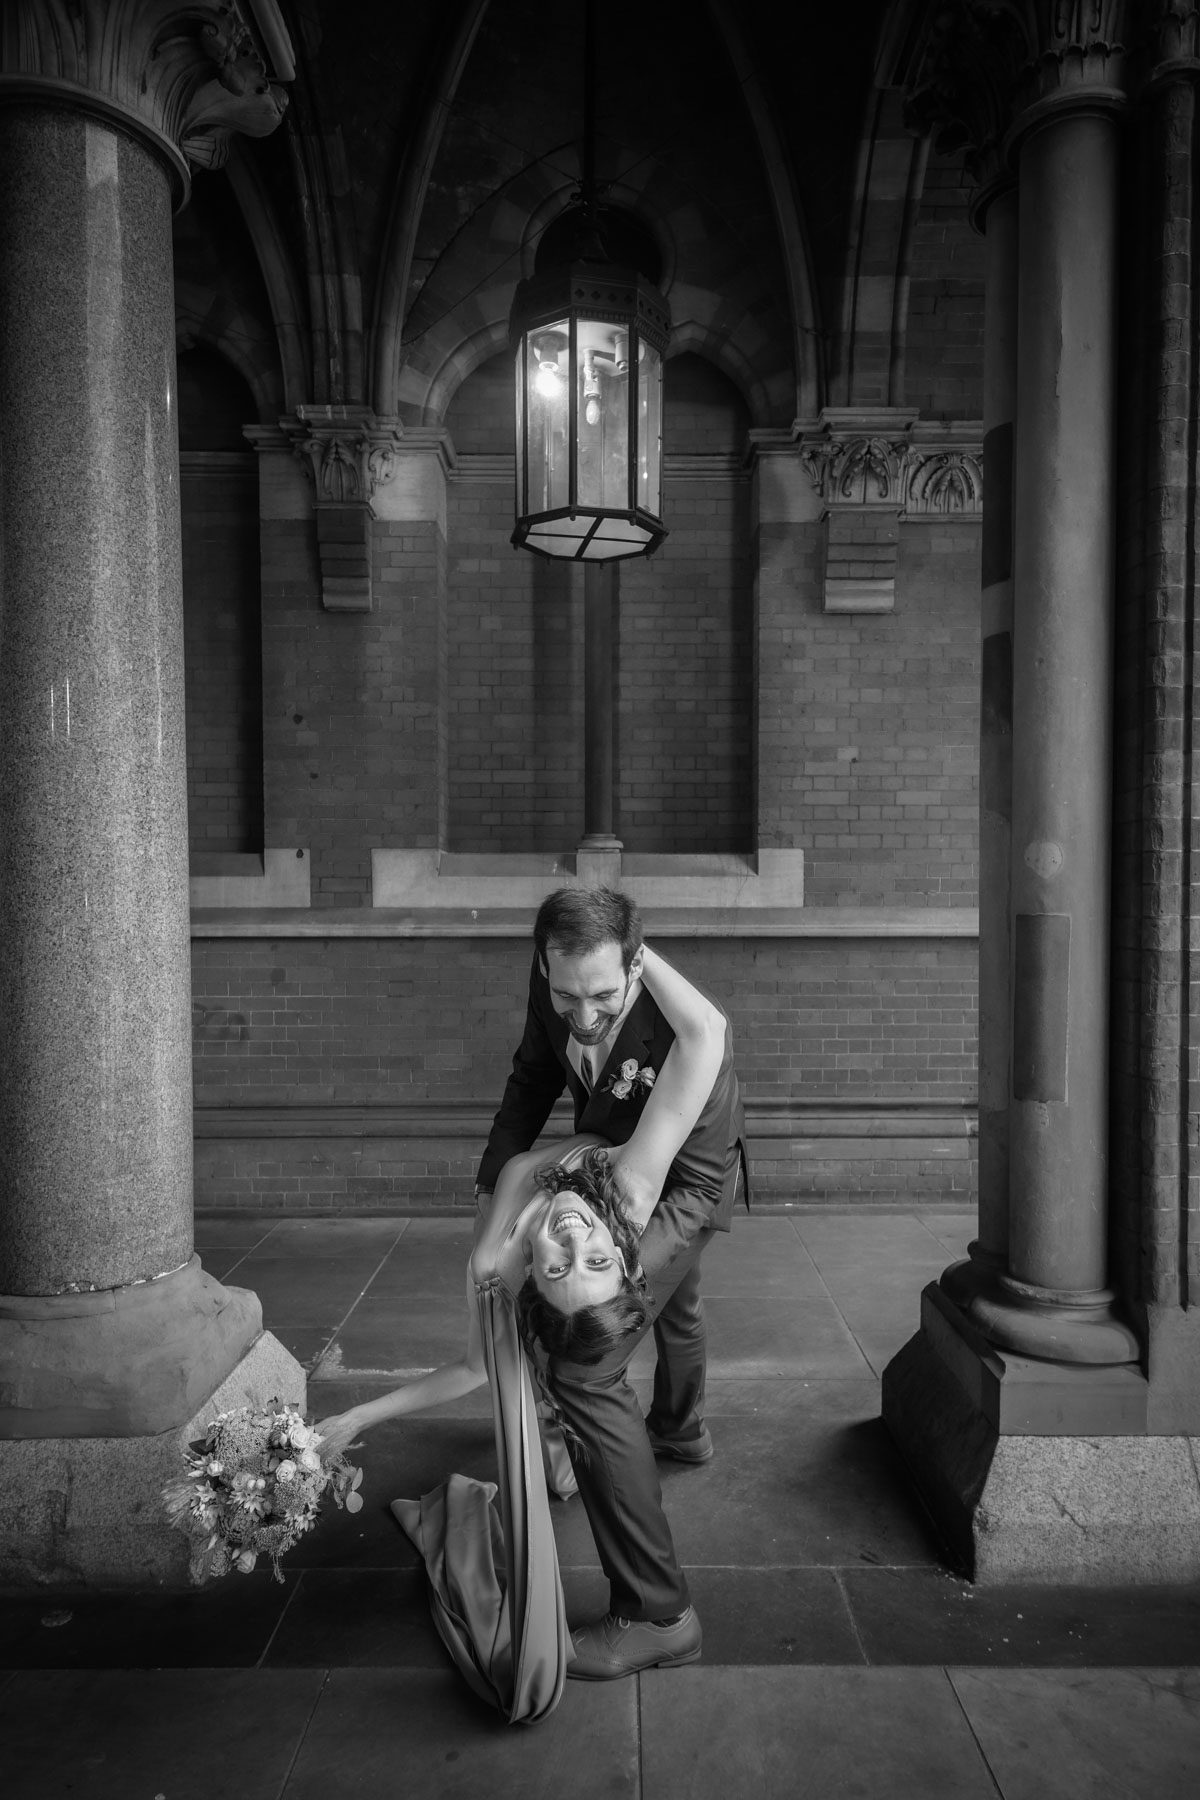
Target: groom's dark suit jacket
pixel 702 1182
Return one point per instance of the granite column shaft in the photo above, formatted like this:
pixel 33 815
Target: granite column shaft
pixel 95 1056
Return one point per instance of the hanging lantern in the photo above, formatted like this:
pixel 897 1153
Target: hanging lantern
pixel 589 339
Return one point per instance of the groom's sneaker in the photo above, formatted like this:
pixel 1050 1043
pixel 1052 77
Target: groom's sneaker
pixel 685 1450
pixel 614 1647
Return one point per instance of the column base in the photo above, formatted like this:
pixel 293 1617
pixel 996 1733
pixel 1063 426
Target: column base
pixel 87 1512
pixel 1056 1327
pixel 120 1362
pixel 1036 1471
pixel 598 861
pixel 976 1275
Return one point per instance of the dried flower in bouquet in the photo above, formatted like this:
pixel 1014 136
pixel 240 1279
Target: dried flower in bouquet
pixel 254 1485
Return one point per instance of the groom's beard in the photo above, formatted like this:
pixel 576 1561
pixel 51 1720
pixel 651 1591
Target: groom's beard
pixel 597 1033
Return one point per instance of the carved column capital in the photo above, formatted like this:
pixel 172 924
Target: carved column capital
pixel 1172 47
pixel 891 458
pixel 981 74
pixel 346 450
pixel 185 74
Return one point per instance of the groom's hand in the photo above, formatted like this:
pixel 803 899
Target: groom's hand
pixel 637 1197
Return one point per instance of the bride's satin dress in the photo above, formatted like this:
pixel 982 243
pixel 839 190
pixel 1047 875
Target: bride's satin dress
pixel 494 1583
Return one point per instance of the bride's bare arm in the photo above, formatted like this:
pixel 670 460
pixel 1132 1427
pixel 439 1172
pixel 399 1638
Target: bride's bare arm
pixel 683 1085
pixel 440 1385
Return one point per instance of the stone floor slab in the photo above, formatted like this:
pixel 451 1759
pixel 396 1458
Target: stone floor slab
pixel 305 1290
pixel 422 1734
pixel 817 1495
pixel 848 1250
pixel 1103 1734
pixel 358 1618
pixel 245 1230
pixel 771 1336
pixel 430 1259
pixel 710 1733
pixel 403 1334
pixel 228 1623
pixel 759 1257
pixel 188 1734
pixel 915 1616
pixel 335 1237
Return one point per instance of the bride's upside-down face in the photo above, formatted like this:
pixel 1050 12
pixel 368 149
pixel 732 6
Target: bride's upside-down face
pixel 574 1260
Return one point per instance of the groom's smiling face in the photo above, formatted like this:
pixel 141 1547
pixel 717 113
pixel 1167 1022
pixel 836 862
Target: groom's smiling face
pixel 590 991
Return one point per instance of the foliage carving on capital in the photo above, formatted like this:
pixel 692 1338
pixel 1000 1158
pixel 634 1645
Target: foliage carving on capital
pixel 909 474
pixel 943 481
pixel 971 70
pixel 854 471
pixel 192 72
pixel 347 453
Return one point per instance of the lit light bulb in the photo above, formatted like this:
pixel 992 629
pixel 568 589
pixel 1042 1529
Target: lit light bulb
pixel 547 381
pixel 591 389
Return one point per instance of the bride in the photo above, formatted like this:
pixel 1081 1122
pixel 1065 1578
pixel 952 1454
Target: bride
pixel 553 1271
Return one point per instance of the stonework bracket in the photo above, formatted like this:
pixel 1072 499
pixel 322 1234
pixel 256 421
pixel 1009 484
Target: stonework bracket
pixel 871 470
pixel 348 455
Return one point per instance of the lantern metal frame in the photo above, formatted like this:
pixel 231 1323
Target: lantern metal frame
pixel 601 293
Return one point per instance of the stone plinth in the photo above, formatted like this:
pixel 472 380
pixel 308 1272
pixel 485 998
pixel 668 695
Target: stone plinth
pixel 87 1512
pixel 120 1362
pixel 1036 1471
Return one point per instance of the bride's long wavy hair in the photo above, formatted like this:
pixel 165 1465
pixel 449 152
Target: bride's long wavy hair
pixel 590 1333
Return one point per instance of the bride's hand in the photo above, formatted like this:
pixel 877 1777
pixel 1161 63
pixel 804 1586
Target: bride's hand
pixel 339 1431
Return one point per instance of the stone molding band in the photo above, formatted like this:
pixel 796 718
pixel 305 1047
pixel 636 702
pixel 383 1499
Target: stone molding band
pixel 57 96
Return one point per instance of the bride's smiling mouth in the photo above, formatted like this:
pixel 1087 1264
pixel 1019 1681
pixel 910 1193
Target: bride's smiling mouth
pixel 569 1219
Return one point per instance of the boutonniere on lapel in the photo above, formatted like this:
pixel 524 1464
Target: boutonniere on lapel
pixel 629 1080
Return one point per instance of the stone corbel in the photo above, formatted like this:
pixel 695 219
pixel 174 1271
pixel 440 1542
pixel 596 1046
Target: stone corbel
pixel 240 98
pixel 348 454
pixel 871 470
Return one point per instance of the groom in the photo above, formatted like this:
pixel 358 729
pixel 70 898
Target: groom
pixel 587 1014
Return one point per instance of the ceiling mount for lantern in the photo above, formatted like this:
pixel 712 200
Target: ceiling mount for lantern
pixel 590 335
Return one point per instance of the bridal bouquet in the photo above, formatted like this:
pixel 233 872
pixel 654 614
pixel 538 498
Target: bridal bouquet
pixel 253 1486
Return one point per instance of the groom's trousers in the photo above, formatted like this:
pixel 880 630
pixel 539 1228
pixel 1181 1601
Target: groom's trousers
pixel 614 1463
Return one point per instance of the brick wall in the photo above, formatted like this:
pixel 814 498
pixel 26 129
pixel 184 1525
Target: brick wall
pixel 222 651
pixel 394 1022
pixel 868 723
pixel 685 708
pixel 354 745
pixel 515 683
pixel 515 635
pixel 944 337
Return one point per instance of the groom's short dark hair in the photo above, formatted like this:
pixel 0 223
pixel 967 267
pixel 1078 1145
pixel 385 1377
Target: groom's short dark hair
pixel 579 920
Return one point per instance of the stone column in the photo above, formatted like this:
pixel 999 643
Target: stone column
pixel 112 1337
pixel 997 216
pixel 1053 1300
pixel 1020 1405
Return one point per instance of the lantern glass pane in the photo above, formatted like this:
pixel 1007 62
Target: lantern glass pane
pixel 602 401
pixel 649 429
pixel 547 377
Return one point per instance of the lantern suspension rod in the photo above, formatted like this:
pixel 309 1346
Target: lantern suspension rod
pixel 587 196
